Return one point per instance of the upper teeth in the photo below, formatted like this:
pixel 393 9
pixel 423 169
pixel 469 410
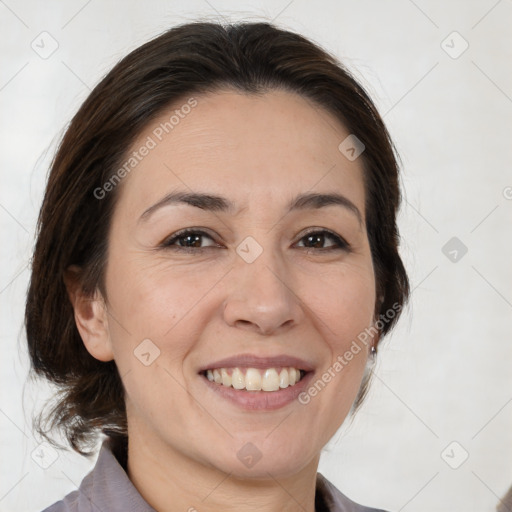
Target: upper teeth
pixel 270 379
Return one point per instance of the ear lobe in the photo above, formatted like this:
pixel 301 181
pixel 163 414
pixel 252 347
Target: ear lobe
pixel 376 336
pixel 91 316
pixel 376 340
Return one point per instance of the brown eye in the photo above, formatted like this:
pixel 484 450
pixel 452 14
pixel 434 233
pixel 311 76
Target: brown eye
pixel 317 240
pixel 188 239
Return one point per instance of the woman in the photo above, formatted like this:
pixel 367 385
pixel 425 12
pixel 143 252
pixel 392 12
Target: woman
pixel 216 263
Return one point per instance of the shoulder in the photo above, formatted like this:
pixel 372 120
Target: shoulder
pixel 333 500
pixel 106 487
pixel 77 501
pixel 68 504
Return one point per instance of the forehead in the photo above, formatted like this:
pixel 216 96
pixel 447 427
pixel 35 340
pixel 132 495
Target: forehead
pixel 258 150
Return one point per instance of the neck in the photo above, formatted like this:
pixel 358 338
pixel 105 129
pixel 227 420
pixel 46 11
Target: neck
pixel 170 482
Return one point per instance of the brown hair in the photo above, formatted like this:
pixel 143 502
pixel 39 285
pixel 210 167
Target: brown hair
pixel 73 224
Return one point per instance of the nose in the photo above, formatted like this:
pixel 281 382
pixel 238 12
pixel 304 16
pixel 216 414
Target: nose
pixel 261 296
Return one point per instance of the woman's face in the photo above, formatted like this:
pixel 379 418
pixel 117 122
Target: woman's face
pixel 269 274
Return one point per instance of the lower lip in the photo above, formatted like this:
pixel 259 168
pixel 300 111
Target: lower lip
pixel 260 400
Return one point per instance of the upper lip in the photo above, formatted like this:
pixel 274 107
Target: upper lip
pixel 253 361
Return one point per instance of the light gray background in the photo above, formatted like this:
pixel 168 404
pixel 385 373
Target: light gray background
pixel 445 373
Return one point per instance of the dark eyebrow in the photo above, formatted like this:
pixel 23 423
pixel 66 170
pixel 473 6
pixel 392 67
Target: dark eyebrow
pixel 316 201
pixel 215 203
pixel 204 201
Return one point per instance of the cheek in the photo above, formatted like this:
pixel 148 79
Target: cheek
pixel 166 305
pixel 151 294
pixel 342 306
pixel 160 301
pixel 344 303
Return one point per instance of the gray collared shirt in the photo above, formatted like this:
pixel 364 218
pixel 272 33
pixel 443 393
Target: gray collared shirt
pixel 107 488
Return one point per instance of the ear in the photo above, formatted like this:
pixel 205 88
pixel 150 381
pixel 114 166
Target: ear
pixel 376 337
pixel 375 340
pixel 91 316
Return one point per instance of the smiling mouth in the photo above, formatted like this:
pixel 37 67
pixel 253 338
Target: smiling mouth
pixel 254 379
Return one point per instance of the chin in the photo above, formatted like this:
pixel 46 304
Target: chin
pixel 262 459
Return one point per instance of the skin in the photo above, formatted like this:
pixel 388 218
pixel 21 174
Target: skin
pixel 198 307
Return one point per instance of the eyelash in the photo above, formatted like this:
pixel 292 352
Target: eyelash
pixel 340 243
